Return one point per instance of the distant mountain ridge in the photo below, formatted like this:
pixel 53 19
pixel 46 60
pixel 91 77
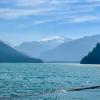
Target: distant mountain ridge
pixel 9 54
pixel 72 51
pixel 35 48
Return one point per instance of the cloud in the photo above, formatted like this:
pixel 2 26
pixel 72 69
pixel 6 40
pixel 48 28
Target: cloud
pixel 80 19
pixel 8 13
pixel 42 21
pixel 56 10
pixel 26 3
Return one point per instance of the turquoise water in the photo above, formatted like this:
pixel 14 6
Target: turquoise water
pixel 48 81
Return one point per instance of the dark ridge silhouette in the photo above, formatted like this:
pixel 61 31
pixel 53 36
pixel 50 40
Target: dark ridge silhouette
pixel 93 57
pixel 9 54
pixel 85 88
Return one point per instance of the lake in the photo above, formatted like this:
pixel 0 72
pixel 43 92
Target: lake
pixel 48 81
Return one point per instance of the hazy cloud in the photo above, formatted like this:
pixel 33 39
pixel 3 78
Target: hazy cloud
pixel 13 9
pixel 78 19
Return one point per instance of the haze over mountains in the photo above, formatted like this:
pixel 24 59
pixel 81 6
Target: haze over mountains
pixel 36 48
pixel 9 54
pixel 72 51
pixel 57 49
pixel 60 50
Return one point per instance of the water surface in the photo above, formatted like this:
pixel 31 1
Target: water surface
pixel 48 81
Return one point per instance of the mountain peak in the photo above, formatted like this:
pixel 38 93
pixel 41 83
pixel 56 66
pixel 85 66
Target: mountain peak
pixel 56 38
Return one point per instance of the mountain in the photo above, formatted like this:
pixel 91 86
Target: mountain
pixel 7 43
pixel 72 51
pixel 9 54
pixel 35 48
pixel 92 57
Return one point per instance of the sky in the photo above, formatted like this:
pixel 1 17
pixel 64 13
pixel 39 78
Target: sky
pixel 32 20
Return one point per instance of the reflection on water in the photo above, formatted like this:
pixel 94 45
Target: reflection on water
pixel 48 81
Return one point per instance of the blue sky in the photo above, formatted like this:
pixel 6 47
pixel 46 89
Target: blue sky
pixel 29 20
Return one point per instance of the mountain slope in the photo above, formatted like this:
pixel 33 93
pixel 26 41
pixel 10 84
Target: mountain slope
pixel 35 48
pixel 32 49
pixel 72 51
pixel 8 54
pixel 93 57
